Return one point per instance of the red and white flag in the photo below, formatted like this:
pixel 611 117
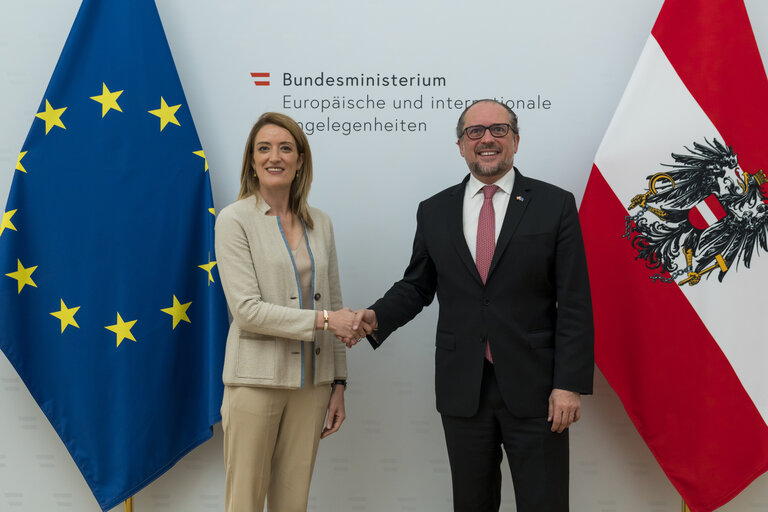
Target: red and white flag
pixel 706 213
pixel 675 220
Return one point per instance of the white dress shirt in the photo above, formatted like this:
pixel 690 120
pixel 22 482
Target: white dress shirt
pixel 473 202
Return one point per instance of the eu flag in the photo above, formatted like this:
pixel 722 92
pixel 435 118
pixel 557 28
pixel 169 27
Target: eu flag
pixel 110 306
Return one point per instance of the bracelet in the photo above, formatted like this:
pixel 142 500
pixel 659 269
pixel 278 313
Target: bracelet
pixel 325 320
pixel 340 382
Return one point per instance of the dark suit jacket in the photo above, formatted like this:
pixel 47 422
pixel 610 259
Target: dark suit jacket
pixel 535 308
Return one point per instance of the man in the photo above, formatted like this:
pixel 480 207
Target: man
pixel 514 343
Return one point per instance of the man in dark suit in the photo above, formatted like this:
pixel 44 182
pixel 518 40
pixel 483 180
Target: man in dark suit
pixel 514 343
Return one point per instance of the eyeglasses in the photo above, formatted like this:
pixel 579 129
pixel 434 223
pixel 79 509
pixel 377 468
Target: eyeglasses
pixel 477 131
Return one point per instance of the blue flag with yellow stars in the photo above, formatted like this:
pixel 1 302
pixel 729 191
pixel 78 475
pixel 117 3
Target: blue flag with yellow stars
pixel 111 309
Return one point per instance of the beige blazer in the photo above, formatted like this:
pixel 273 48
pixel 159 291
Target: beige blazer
pixel 269 331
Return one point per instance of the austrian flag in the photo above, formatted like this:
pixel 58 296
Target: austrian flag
pixel 675 221
pixel 706 213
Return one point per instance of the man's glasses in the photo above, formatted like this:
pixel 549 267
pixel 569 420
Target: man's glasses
pixel 477 131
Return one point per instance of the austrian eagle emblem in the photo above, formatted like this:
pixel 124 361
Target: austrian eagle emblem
pixel 702 215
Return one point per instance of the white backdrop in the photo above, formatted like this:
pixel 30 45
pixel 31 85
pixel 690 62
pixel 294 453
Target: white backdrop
pixel 390 454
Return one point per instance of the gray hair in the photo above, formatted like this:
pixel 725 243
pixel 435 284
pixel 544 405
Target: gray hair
pixel 512 117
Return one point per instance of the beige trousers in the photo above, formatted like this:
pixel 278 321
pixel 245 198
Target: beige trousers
pixel 270 443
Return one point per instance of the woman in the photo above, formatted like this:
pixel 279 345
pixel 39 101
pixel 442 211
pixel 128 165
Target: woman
pixel 284 370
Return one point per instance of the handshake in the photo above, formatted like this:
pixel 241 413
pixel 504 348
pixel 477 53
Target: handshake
pixel 349 326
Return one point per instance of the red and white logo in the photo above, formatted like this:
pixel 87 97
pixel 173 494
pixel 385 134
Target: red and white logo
pixel 706 213
pixel 262 76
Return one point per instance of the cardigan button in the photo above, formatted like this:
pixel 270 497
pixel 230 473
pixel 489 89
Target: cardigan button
pixel 317 351
pixel 317 296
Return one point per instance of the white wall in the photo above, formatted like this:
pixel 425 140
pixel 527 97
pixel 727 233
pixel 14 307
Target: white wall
pixel 390 454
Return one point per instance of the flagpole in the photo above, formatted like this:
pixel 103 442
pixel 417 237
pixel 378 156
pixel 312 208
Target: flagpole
pixel 685 507
pixel 128 505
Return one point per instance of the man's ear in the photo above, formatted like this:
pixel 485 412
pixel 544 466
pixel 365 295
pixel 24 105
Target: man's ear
pixel 461 148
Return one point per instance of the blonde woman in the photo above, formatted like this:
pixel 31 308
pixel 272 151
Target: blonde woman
pixel 284 371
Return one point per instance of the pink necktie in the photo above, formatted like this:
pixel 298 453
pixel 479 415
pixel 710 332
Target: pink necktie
pixel 486 242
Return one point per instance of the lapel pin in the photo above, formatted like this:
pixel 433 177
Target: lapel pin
pixel 519 198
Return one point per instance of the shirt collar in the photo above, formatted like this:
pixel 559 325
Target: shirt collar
pixel 505 183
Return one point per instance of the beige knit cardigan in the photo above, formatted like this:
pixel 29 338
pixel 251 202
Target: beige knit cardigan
pixel 270 332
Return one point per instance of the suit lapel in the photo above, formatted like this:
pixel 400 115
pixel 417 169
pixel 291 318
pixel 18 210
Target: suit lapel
pixel 456 227
pixel 520 198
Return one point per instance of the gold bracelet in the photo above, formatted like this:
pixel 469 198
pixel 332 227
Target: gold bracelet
pixel 325 320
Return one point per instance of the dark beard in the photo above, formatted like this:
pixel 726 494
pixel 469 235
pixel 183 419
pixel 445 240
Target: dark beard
pixel 491 172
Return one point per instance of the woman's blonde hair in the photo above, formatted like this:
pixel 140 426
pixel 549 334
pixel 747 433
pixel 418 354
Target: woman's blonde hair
pixel 249 181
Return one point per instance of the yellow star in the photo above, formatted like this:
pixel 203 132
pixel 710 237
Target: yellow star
pixel 208 267
pixel 6 222
pixel 201 154
pixel 107 99
pixel 166 114
pixel 66 315
pixel 20 167
pixel 52 117
pixel 212 211
pixel 23 275
pixel 122 329
pixel 178 311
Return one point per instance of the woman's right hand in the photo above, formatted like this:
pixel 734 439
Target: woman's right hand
pixel 340 323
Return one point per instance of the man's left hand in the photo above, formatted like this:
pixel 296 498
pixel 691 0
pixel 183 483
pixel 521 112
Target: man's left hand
pixel 564 409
